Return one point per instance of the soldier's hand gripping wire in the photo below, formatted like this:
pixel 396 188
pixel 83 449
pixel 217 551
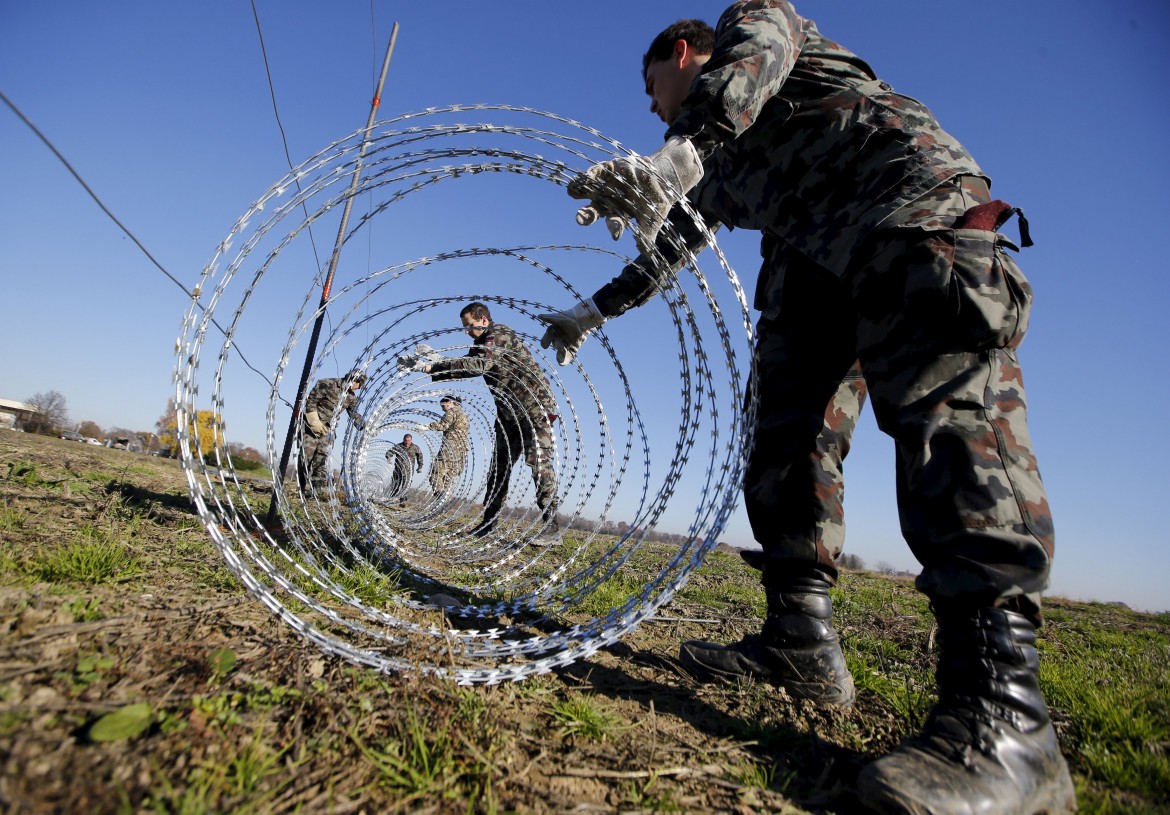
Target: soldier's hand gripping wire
pixel 422 357
pixel 640 187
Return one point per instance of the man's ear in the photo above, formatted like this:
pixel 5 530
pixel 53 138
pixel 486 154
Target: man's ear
pixel 681 52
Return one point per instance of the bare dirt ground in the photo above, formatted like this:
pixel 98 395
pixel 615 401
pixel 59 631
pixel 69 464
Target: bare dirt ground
pixel 220 707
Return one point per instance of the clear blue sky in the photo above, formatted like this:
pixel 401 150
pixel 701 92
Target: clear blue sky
pixel 164 109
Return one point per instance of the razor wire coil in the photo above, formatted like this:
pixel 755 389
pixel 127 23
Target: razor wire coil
pixel 393 577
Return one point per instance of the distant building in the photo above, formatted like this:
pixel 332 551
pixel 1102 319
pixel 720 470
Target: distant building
pixel 14 414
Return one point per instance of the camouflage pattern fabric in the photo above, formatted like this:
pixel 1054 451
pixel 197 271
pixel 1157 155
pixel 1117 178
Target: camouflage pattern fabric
pixel 452 455
pixel 326 396
pixel 314 460
pixel 858 190
pixel 406 461
pixel 940 314
pixel 945 383
pixel 524 409
pixel 508 369
pixel 518 434
pixel 799 139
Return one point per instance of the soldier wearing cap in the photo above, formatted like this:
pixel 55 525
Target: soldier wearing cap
pixel 323 402
pixel 452 455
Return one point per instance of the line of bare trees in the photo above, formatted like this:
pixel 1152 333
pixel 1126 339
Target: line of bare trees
pixel 50 417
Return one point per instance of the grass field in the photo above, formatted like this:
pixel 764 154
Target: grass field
pixel 136 675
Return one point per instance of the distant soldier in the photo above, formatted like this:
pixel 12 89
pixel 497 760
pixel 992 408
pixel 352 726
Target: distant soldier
pixel 452 455
pixel 316 443
pixel 525 412
pixel 403 458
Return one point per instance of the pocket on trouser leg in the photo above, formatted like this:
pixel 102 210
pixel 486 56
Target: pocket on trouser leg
pixel 972 291
pixel 770 280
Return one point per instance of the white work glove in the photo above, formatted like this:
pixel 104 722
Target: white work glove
pixel 568 329
pixel 427 354
pixel 640 187
pixel 316 427
pixel 423 356
pixel 406 362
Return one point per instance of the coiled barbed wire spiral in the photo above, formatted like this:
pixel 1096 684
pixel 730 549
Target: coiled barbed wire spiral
pixel 649 449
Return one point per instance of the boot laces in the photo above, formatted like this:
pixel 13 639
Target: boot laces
pixel 959 727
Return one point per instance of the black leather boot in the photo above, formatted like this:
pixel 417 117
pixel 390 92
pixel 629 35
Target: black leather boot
pixel 798 648
pixel 988 746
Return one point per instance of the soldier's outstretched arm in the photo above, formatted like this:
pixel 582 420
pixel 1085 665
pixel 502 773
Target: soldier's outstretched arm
pixel 567 330
pixel 639 281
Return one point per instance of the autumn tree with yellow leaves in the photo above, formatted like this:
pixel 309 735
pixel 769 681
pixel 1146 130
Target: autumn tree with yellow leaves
pixel 204 430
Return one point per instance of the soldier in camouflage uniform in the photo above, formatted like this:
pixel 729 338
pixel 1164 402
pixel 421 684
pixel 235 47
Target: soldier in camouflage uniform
pixel 525 412
pixel 404 458
pixel 325 398
pixel 452 455
pixel 881 257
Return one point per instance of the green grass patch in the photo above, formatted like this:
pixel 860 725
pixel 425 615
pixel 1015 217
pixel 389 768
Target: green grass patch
pixel 581 717
pixel 751 597
pixel 93 556
pixel 1111 683
pixel 613 593
pixel 84 609
pixel 12 520
pixel 372 587
pixel 22 472
pixel 644 797
pixel 418 760
pixel 754 775
pixel 10 563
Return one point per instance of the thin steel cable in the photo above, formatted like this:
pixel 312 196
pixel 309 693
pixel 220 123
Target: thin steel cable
pixel 276 115
pixel 193 295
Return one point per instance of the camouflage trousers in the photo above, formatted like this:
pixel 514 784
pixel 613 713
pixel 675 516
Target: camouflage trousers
pixel 314 460
pixel 400 480
pixel 932 317
pixel 445 470
pixel 532 437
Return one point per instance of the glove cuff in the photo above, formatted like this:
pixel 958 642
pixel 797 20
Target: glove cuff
pixel 679 163
pixel 586 314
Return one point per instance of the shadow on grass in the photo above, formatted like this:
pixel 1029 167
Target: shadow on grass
pixel 810 770
pixel 136 497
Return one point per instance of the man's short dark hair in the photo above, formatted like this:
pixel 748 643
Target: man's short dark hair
pixel 699 36
pixel 477 310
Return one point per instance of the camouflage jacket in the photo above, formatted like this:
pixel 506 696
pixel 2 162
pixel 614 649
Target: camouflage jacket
pixel 509 370
pixel 327 396
pixel 799 139
pixel 403 457
pixel 456 431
